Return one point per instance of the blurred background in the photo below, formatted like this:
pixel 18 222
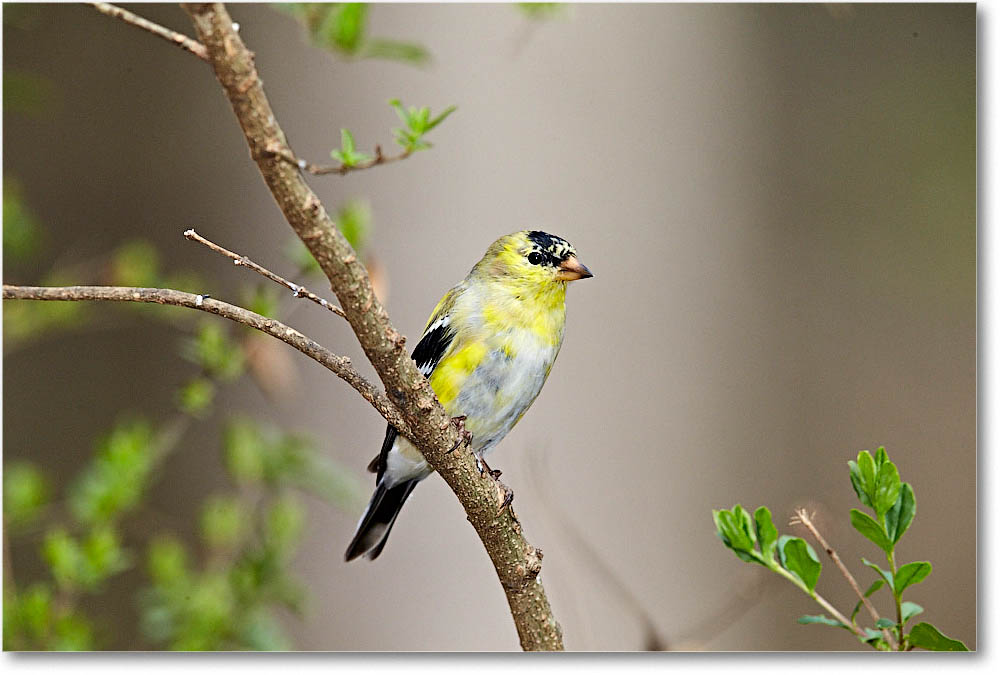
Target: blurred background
pixel 778 203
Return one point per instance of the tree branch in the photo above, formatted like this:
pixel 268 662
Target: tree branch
pixel 339 365
pixel 517 562
pixel 341 169
pixel 297 291
pixel 182 41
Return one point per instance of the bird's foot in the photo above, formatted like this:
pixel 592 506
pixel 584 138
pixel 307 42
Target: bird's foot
pixel 508 499
pixel 484 468
pixel 464 435
pixel 508 494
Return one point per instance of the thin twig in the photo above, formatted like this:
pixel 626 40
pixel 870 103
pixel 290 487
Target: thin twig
pixel 297 291
pixel 179 39
pixel 339 365
pixel 802 516
pixel 838 616
pixel 285 154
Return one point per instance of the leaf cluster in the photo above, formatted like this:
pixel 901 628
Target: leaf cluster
pixel 417 122
pixel 877 484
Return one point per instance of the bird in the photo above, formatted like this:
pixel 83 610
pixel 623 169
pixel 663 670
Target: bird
pixel 487 349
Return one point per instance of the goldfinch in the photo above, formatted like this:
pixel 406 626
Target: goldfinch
pixel 487 350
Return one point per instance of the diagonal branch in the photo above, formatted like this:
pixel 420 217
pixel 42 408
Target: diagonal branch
pixel 517 562
pixel 179 39
pixel 297 290
pixel 338 365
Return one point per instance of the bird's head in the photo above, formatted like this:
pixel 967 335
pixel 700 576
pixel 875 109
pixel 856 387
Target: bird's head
pixel 533 257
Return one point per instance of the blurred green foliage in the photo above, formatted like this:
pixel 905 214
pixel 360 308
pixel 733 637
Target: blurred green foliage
pixel 27 93
pixel 116 478
pixel 25 493
pixel 224 597
pixel 341 28
pixel 219 584
pixel 224 601
pixel 877 485
pixel 541 11
pixel 22 234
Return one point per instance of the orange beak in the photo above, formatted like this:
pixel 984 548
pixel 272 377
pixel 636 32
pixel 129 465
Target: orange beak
pixel 572 269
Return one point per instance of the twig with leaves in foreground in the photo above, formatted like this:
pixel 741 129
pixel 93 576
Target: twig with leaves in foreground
pixel 877 484
pixel 802 517
pixel 286 155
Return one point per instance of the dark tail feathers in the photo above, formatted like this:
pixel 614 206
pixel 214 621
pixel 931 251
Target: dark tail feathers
pixel 376 523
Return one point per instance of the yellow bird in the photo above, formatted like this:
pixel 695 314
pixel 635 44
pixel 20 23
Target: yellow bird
pixel 487 350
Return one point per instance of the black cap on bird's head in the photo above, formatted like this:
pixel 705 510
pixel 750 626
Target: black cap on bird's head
pixel 548 249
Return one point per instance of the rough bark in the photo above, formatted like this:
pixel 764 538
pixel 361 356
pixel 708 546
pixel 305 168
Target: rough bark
pixel 516 561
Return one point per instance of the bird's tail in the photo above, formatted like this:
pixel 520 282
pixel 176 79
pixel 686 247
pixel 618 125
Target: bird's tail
pixel 375 524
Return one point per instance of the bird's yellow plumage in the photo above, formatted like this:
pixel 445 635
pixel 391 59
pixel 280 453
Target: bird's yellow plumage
pixel 486 350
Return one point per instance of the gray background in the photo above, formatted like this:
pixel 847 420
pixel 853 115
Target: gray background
pixel 778 203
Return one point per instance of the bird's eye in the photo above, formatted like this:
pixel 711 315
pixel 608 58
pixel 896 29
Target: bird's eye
pixel 535 258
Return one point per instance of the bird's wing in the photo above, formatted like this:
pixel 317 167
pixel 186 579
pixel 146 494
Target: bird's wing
pixel 437 337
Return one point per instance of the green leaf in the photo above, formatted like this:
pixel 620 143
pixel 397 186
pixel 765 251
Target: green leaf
pixel 887 575
pixel 899 517
pixel 196 396
pixel 244 451
pixel 881 457
pixel 885 623
pixel 867 526
pixel 215 351
pixel 887 487
pixel 767 533
pixel 22 233
pixel 910 574
pixel 116 478
pixel 347 154
pixel 909 610
pixel 167 562
pixel 283 524
pixel 873 637
pixel 222 521
pixel 877 584
pixel 103 555
pixel 345 27
pixel 25 493
pixel 862 476
pixel 926 636
pixel 346 141
pixel 821 619
pixel 730 530
pixel 62 554
pixel 397 105
pixel 799 558
pixel 440 118
pixel 135 263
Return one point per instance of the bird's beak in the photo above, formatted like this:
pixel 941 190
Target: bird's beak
pixel 572 269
